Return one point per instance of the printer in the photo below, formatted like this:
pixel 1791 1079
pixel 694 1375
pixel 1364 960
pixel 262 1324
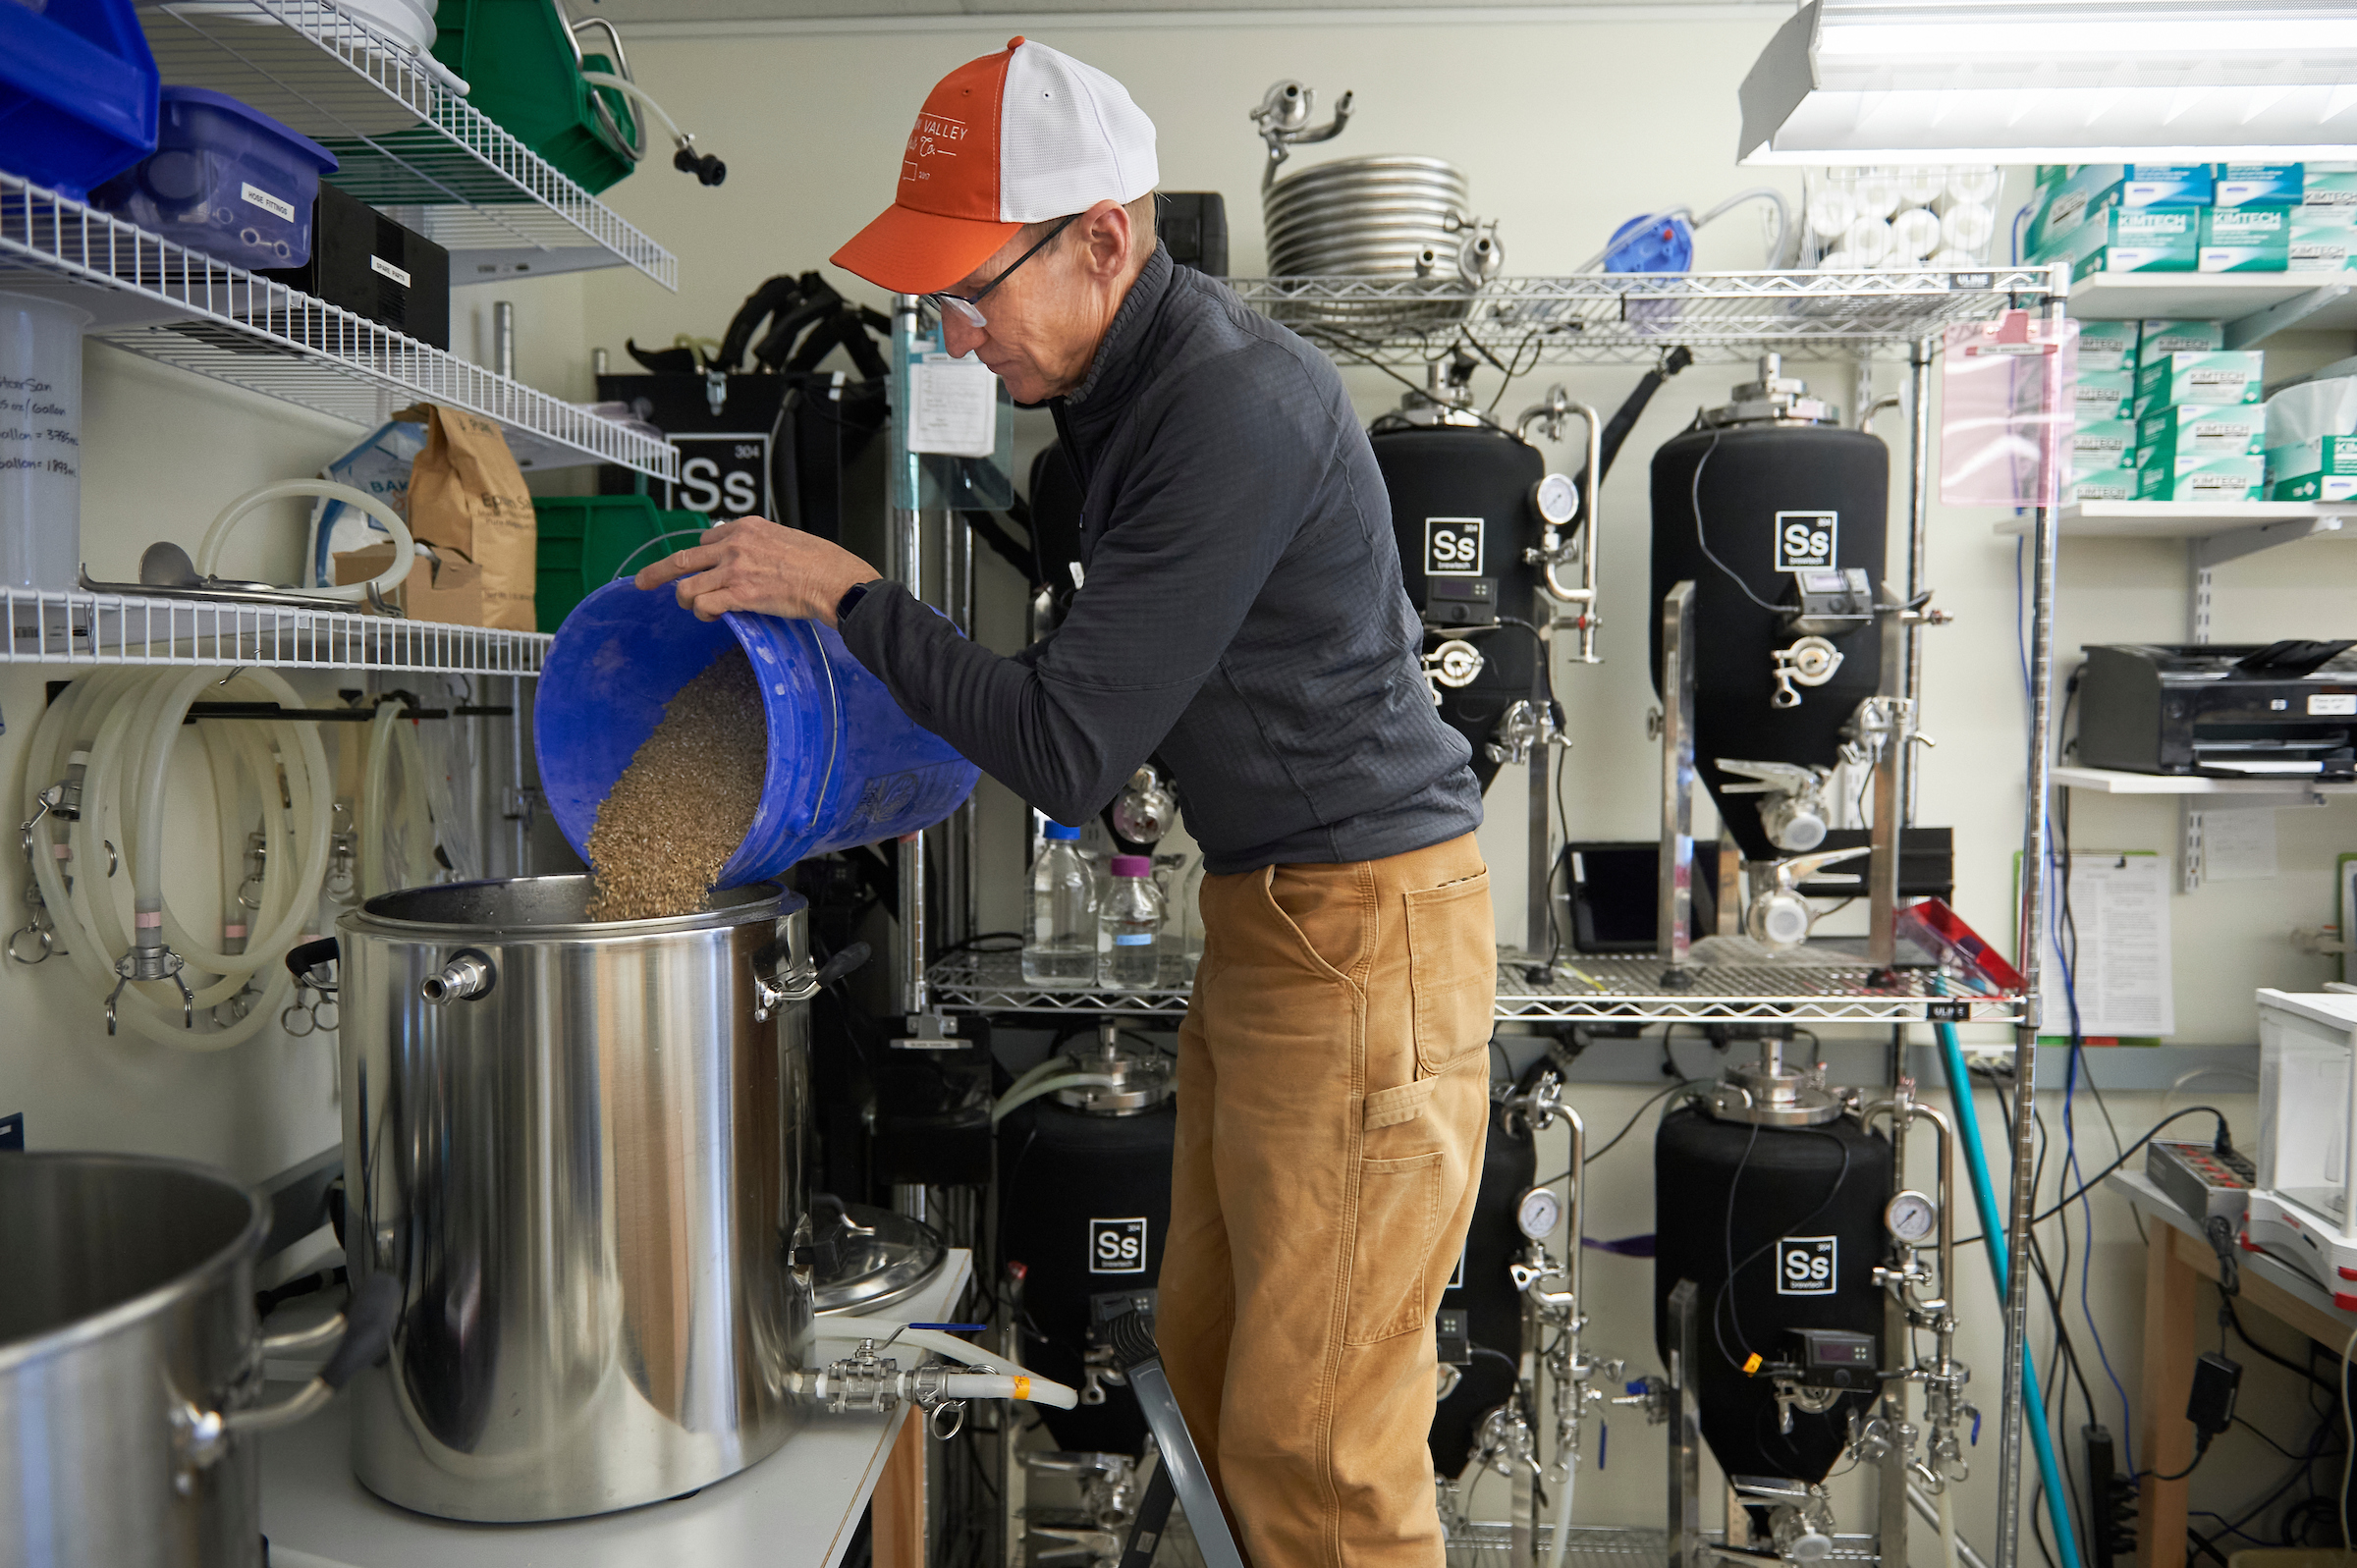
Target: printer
pixel 2285 709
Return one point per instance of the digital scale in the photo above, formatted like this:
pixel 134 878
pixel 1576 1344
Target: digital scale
pixel 2300 1203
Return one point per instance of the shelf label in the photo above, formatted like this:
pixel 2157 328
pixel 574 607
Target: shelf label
pixel 1947 1011
pixel 278 207
pixel 2333 702
pixel 382 267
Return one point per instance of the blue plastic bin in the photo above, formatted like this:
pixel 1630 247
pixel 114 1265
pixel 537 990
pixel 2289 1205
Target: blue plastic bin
pixel 845 764
pixel 78 90
pixel 224 179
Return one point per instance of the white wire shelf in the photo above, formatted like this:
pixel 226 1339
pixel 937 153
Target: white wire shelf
pixel 165 302
pixel 96 629
pixel 1633 318
pixel 404 137
pixel 1626 989
pixel 1471 1543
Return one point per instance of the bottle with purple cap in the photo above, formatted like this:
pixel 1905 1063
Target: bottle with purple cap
pixel 1129 925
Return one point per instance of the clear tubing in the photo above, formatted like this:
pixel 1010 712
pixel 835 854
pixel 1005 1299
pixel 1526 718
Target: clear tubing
pixel 1044 1391
pixel 116 702
pixel 1947 1529
pixel 307 788
pixel 158 735
pixel 1562 1518
pixel 1056 1062
pixel 416 841
pixel 1994 1237
pixel 1014 1099
pixel 372 798
pixel 404 547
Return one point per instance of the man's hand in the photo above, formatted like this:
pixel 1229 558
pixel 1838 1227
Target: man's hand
pixel 753 564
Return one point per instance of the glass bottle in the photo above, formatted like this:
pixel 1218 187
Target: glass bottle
pixel 1128 928
pixel 1061 948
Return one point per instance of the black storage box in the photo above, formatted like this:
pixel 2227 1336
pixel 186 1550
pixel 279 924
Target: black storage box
pixel 1193 225
pixel 365 262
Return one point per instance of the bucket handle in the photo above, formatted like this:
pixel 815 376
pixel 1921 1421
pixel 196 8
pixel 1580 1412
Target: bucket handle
pixel 826 780
pixel 668 533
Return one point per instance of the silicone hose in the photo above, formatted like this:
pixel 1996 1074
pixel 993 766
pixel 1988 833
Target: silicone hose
pixel 405 548
pixel 1044 1391
pixel 1014 1099
pixel 1562 1518
pixel 1993 1236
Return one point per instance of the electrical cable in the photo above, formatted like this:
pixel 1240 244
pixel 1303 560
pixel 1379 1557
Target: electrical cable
pixel 1704 544
pixel 2125 1155
pixel 2348 1427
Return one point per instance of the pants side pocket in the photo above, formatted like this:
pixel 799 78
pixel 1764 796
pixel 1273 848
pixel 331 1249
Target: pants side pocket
pixel 1399 1222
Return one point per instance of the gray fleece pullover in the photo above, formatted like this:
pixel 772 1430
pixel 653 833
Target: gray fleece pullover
pixel 1242 616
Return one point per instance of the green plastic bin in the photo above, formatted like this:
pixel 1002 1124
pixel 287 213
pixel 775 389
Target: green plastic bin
pixel 586 540
pixel 521 71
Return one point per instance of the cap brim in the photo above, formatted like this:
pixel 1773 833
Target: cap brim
pixel 906 251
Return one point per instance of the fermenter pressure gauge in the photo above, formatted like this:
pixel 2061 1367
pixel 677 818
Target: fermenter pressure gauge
pixel 1557 499
pixel 1538 1212
pixel 1912 1217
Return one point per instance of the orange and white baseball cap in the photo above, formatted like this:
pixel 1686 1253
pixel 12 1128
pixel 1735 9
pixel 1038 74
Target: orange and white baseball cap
pixel 1024 135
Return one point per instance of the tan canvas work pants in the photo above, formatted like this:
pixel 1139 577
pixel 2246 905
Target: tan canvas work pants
pixel 1332 1098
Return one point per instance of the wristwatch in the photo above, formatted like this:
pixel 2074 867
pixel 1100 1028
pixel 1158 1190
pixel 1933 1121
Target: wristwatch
pixel 850 597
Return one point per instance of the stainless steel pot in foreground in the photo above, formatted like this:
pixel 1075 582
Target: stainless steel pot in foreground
pixel 129 1362
pixel 579 1150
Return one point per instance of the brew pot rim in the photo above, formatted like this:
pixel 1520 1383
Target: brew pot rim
pixel 196 1279
pixel 409 911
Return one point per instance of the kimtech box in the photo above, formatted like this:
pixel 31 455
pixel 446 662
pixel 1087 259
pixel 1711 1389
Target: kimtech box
pixel 2323 239
pixel 2322 469
pixel 2246 185
pixel 2104 441
pixel 2121 239
pixel 2179 337
pixel 2213 380
pixel 2104 396
pixel 2180 437
pixel 2097 483
pixel 2107 346
pixel 2249 238
pixel 2218 479
pixel 2329 185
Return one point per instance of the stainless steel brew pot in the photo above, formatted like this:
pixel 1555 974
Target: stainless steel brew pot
pixel 129 1363
pixel 579 1148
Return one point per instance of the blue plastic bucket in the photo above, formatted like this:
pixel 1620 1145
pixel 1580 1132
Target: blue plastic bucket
pixel 77 93
pixel 845 764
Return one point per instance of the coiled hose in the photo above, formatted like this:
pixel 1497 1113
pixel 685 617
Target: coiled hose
pixel 114 733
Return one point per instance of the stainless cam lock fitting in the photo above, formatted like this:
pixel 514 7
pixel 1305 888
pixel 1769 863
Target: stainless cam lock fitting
pixel 1809 662
pixel 467 977
pixel 1795 812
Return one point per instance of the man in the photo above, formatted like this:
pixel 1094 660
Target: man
pixel 1241 617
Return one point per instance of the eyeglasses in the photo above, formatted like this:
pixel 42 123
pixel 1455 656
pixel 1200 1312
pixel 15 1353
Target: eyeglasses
pixel 964 306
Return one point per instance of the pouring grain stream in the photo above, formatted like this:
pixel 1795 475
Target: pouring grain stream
pixel 685 801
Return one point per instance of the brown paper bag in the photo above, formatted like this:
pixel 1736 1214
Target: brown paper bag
pixel 467 495
pixel 447 588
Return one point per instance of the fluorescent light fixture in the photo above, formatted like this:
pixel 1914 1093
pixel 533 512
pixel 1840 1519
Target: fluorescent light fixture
pixel 2065 82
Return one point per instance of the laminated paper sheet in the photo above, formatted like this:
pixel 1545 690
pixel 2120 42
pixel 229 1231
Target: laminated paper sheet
pixel 2120 908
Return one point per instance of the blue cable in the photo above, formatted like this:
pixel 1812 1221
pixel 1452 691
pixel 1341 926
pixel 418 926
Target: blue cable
pixel 2056 870
pixel 1993 1233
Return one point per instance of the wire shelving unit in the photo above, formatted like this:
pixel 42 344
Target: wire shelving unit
pixel 1630 319
pixel 166 303
pixel 95 628
pixel 1594 989
pixel 406 138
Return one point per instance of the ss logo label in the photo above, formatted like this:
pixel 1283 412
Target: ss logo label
pixel 1452 547
pixel 1116 1246
pixel 1806 539
pixel 1804 1266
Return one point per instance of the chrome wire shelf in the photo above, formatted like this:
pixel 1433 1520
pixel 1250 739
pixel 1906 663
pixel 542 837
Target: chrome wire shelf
pixel 403 136
pixel 1628 989
pixel 1608 1546
pixel 1591 990
pixel 166 303
pixel 1633 318
pixel 95 628
pixel 993 982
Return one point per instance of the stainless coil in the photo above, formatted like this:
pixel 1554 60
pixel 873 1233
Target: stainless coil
pixel 1392 219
